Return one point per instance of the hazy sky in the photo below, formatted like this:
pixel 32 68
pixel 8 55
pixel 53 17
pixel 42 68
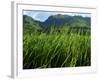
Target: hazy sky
pixel 42 15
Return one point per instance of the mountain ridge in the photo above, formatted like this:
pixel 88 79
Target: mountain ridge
pixel 58 20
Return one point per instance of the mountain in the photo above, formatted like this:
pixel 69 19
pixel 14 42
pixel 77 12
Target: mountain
pixel 30 24
pixel 60 20
pixel 57 21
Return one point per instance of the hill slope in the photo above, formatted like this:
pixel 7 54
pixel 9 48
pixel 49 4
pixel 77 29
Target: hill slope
pixel 60 20
pixel 57 21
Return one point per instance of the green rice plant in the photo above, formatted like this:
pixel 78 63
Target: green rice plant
pixel 56 49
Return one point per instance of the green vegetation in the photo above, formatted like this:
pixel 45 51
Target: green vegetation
pixel 65 46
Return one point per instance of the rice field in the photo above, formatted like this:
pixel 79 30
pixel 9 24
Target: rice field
pixel 54 49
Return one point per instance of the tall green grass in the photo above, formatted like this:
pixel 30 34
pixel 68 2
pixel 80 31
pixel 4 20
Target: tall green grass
pixel 56 49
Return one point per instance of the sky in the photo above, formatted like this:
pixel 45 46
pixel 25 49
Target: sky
pixel 43 15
